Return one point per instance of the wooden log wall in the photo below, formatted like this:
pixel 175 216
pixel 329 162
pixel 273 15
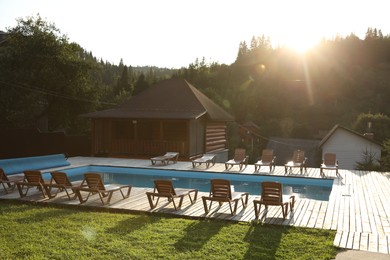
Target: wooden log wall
pixel 216 137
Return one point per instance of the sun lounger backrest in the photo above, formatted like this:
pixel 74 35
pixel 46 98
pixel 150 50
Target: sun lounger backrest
pixel 164 186
pixel 33 176
pixel 272 192
pixel 298 156
pixel 330 159
pixel 60 178
pixel 94 181
pixel 239 154
pixel 3 176
pixel 220 188
pixel 267 155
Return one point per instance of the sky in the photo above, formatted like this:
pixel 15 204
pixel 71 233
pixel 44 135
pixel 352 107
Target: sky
pixel 174 33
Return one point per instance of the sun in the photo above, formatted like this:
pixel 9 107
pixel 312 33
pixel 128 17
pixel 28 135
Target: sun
pixel 300 45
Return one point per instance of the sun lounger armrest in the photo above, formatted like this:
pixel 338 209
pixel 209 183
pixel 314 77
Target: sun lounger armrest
pixel 292 202
pixel 304 162
pixel 246 160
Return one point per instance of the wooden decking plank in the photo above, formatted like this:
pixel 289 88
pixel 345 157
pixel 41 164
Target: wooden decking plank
pixel 383 245
pixel 321 216
pixel 383 203
pixel 363 241
pixel 371 211
pixel 365 219
pixel 350 241
pixel 346 213
pixel 356 241
pixel 315 214
pixel 376 204
pixel 355 219
pixel 337 238
pixel 300 204
pixel 373 242
pixel 303 221
pixel 344 239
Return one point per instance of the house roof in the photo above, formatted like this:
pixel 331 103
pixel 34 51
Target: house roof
pixel 168 99
pixel 336 127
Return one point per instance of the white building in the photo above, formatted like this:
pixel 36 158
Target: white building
pixel 350 147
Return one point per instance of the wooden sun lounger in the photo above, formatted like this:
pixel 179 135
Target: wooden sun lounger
pixel 272 195
pixel 166 158
pixel 299 161
pixel 329 163
pixel 93 183
pixel 61 182
pixel 239 159
pixel 221 192
pixel 267 159
pixel 205 159
pixel 9 182
pixel 32 179
pixel 165 189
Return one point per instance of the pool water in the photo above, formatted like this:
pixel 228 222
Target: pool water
pixel 310 188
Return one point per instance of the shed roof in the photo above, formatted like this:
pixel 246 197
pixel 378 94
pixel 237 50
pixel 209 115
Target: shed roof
pixel 285 147
pixel 168 99
pixel 336 127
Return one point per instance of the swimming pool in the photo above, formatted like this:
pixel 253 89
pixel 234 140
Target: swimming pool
pixel 310 188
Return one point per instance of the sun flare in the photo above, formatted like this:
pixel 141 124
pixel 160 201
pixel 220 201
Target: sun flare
pixel 300 45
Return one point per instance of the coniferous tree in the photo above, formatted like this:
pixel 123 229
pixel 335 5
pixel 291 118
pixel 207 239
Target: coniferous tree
pixel 140 85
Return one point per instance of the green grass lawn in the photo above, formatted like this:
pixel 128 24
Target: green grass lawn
pixel 38 232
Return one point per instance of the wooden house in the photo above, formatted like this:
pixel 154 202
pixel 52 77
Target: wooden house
pixel 350 147
pixel 172 115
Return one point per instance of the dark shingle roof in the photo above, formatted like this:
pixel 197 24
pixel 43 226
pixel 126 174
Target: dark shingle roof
pixel 168 99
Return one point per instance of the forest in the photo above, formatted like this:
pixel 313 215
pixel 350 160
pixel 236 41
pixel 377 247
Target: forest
pixel 46 81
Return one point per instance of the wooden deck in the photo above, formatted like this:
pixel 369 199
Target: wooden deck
pixel 358 207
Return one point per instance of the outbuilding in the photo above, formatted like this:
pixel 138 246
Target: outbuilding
pixel 350 147
pixel 171 116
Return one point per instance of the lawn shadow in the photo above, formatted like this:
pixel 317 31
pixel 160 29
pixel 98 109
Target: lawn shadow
pixel 45 214
pixel 197 234
pixel 263 239
pixel 129 225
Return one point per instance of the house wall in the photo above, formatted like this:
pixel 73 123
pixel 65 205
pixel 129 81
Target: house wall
pixel 135 137
pixel 216 136
pixel 349 148
pixel 141 137
pixel 197 135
